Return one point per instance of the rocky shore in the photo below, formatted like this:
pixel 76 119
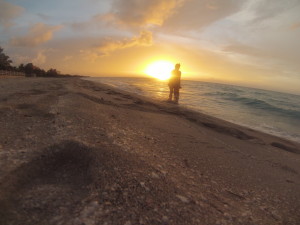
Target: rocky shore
pixel 76 152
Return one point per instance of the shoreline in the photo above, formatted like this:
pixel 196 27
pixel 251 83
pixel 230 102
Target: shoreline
pixel 282 134
pixel 81 151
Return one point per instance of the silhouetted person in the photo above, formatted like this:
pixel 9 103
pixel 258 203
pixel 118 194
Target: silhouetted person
pixel 174 83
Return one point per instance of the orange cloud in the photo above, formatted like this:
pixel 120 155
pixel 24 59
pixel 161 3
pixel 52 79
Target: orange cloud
pixel 8 12
pixel 295 26
pixel 144 39
pixel 38 34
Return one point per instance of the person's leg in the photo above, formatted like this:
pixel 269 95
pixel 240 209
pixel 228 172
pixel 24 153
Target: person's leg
pixel 176 94
pixel 171 93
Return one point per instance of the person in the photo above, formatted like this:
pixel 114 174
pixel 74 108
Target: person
pixel 174 83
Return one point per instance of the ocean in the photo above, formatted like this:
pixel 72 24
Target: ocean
pixel 268 111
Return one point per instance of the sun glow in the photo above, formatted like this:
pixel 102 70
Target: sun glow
pixel 160 69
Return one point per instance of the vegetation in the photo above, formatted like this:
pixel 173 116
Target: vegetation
pixel 28 69
pixel 5 62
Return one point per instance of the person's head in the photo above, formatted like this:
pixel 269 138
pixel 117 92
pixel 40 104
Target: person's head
pixel 177 66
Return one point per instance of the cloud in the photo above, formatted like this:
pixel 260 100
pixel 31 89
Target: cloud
pixel 142 13
pixel 68 58
pixel 108 46
pixel 295 26
pixel 95 22
pixel 243 49
pixel 43 16
pixel 268 9
pixel 40 58
pixel 195 14
pixel 89 55
pixel 8 12
pixel 262 32
pixel 38 34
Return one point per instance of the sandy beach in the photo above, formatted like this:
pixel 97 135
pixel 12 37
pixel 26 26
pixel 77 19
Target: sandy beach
pixel 77 152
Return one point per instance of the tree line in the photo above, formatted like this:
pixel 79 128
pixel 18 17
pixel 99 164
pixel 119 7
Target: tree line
pixel 28 69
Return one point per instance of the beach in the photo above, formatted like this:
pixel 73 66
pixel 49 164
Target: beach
pixel 77 152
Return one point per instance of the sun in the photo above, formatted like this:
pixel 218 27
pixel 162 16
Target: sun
pixel 160 69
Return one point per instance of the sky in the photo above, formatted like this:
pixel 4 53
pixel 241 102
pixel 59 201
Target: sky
pixel 252 43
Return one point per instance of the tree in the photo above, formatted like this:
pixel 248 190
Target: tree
pixel 5 62
pixel 21 68
pixel 39 72
pixel 52 72
pixel 29 69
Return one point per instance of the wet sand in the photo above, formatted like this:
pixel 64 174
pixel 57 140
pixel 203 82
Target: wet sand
pixel 77 152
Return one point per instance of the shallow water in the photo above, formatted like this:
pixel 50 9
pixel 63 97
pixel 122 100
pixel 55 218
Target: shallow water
pixel 268 111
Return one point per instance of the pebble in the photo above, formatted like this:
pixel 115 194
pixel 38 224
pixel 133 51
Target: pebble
pixel 183 199
pixel 141 221
pixel 165 219
pixel 154 175
pixel 144 186
pixel 77 221
pixel 246 213
pixel 164 172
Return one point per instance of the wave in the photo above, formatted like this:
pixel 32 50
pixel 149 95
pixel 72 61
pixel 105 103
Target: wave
pixel 255 103
pixel 221 94
pixel 260 104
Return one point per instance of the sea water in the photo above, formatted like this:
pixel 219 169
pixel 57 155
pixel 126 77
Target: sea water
pixel 268 111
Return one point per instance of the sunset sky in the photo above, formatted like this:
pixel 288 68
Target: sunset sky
pixel 254 43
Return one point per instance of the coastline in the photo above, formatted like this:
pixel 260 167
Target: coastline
pixel 260 110
pixel 84 151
